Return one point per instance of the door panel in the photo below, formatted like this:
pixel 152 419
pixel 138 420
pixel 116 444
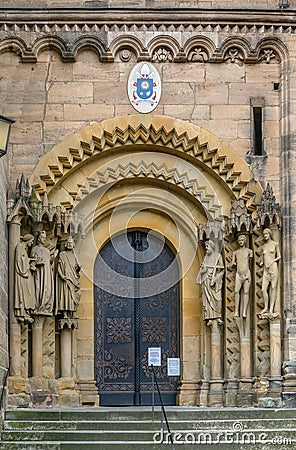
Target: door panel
pixel 136 307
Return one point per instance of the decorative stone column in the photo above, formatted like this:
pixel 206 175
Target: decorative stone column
pixel 15 327
pixel 289 391
pixel 66 325
pixel 268 220
pixel 245 396
pixel 215 397
pixel 37 339
pixel 66 352
pixel 275 380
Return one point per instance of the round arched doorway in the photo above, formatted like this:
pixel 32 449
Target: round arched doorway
pixel 137 304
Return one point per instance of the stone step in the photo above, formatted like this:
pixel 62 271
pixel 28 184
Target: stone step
pixel 145 425
pixel 144 413
pixel 103 428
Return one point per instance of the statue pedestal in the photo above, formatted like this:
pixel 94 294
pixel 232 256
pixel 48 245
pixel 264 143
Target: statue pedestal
pixel 215 396
pixel 260 389
pixel 245 394
pixel 275 387
pixel 37 338
pixel 203 393
pixel 231 392
pixel 188 393
pixel 88 393
pixel 289 384
pixel 275 348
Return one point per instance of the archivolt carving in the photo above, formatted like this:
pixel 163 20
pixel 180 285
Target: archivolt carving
pixel 18 46
pixel 69 51
pixel 68 46
pixel 240 45
pixel 161 131
pixel 131 43
pixel 165 48
pixel 276 46
pixel 94 43
pixel 199 48
pixel 152 171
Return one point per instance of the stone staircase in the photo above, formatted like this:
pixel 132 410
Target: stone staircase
pixel 133 428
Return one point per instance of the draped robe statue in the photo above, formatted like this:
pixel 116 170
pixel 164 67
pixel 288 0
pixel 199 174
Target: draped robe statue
pixel 43 277
pixel 211 279
pixel 24 299
pixel 67 282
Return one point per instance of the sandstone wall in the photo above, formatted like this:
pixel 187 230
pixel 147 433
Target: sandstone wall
pixel 50 100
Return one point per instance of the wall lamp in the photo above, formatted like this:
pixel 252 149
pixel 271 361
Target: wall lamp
pixel 5 126
pixel 284 4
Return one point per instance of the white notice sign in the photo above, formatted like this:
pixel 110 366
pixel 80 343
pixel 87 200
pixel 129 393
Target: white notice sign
pixel 154 356
pixel 173 367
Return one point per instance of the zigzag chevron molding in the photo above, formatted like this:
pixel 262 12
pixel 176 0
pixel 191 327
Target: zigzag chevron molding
pixel 177 136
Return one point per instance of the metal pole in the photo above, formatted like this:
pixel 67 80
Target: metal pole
pixel 164 413
pixel 161 427
pixel 152 380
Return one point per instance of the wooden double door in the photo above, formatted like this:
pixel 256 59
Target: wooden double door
pixel 137 300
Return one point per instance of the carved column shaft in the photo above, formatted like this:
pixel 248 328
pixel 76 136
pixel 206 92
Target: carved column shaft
pixel 245 357
pixel 275 349
pixel 215 351
pixel 37 338
pixel 216 382
pixel 15 328
pixel 66 352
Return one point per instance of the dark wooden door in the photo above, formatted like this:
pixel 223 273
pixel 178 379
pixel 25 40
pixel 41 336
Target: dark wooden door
pixel 136 307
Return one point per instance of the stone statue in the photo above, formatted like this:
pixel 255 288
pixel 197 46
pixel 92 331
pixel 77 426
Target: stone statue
pixel 68 282
pixel 241 259
pixel 25 300
pixel 211 278
pixel 271 255
pixel 43 276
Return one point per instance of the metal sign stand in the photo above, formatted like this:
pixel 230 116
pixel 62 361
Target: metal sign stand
pixel 152 381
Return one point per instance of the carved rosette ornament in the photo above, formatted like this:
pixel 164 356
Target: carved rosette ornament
pixel 198 54
pixel 268 55
pixel 234 55
pixel 162 54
